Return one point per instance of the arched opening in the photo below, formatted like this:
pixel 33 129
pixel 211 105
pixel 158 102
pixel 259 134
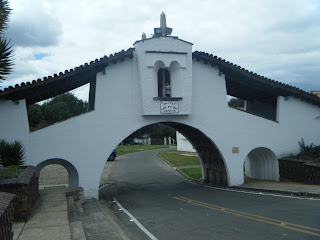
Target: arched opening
pixel 73 177
pixel 211 160
pixel 164 84
pixel 53 175
pixel 261 163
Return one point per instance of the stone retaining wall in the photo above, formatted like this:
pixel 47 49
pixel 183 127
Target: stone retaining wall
pixel 25 187
pixel 6 215
pixel 312 173
pixel 297 170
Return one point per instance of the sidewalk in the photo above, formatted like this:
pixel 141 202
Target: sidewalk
pixel 48 219
pixel 289 188
pixel 59 214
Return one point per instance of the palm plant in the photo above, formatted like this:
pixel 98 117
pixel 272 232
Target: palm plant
pixel 6 51
pixel 11 153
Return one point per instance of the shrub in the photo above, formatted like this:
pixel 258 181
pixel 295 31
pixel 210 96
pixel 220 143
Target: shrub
pixel 11 153
pixel 309 152
pixel 10 172
pixel 305 148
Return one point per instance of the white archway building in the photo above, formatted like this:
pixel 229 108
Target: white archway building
pixel 124 97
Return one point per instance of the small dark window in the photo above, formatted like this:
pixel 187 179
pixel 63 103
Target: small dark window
pixel 164 85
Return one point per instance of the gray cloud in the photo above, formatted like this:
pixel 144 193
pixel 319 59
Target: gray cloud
pixel 276 39
pixel 34 29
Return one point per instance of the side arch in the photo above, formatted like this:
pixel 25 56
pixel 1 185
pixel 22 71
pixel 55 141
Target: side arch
pixel 261 163
pixel 73 177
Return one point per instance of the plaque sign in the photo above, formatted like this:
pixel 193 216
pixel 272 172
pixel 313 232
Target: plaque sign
pixel 167 107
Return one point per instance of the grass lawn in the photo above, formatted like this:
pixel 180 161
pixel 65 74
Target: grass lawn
pixel 177 160
pixel 194 173
pixel 135 148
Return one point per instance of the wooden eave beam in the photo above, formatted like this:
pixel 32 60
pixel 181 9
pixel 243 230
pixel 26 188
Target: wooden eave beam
pixel 22 91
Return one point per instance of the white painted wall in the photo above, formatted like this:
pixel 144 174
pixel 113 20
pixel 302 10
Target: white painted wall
pixel 124 104
pixel 14 120
pixel 183 144
pixel 167 54
pixel 14 123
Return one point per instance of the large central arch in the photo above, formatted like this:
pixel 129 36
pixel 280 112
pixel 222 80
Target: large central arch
pixel 214 169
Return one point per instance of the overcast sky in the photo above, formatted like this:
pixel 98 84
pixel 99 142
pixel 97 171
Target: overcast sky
pixel 277 39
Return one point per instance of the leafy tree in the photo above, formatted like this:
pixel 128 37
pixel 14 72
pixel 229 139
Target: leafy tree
pixel 76 106
pixel 11 153
pixel 160 131
pixel 56 112
pixel 6 51
pixel 57 109
pixel 153 131
pixel 236 103
pixel 34 115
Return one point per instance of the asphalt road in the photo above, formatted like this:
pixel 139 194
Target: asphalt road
pixel 167 206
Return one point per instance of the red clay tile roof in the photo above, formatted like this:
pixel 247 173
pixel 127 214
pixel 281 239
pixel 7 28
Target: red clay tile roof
pixel 240 82
pixel 248 85
pixel 51 86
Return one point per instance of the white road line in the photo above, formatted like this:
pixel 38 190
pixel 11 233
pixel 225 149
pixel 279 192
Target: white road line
pixel 261 193
pixel 135 221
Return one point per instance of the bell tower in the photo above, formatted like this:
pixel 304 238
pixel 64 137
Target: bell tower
pixel 164 66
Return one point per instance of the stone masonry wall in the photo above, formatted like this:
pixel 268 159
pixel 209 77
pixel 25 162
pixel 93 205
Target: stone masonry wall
pixel 297 170
pixel 312 173
pixel 6 216
pixel 25 187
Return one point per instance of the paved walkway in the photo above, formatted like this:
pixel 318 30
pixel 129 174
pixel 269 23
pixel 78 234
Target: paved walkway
pixel 48 220
pixel 98 223
pixel 57 215
pixel 291 188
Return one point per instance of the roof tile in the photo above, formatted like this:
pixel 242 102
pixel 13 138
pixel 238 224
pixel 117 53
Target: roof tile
pixel 22 91
pixel 285 89
pixel 98 65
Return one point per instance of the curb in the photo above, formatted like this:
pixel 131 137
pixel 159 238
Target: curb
pixel 74 205
pixel 291 193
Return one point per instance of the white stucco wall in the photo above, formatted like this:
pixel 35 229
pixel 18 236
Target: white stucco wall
pixel 14 123
pixel 170 53
pixel 183 144
pixel 14 120
pixel 124 103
